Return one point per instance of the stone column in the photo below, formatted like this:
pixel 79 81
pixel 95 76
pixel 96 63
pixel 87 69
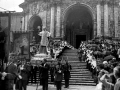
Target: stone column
pixel 98 19
pixel 106 30
pixel 23 23
pixel 52 22
pixel 58 20
pixel 116 21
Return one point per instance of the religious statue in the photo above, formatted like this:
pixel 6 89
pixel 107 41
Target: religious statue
pixel 44 40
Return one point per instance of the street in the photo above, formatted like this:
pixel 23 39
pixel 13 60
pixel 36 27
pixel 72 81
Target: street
pixel 71 87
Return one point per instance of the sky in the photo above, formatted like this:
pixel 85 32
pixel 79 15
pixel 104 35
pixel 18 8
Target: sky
pixel 11 5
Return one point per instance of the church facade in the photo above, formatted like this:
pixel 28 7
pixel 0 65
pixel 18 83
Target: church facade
pixel 72 20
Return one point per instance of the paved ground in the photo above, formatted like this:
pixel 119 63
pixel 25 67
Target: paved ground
pixel 72 87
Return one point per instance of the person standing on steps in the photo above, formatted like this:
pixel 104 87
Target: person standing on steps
pixel 58 75
pixel 44 74
pixel 67 68
pixel 52 70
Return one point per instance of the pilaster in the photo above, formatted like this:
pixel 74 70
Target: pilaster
pixel 58 19
pixel 52 22
pixel 106 29
pixel 98 19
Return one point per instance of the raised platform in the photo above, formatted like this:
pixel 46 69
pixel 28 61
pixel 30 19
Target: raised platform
pixel 38 58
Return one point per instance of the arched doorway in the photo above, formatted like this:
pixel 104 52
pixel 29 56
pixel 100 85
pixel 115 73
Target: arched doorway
pixel 34 22
pixel 78 24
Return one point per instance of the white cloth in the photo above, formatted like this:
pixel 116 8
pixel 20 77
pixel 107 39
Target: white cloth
pixel 44 38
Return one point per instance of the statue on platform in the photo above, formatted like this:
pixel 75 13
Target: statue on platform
pixel 44 40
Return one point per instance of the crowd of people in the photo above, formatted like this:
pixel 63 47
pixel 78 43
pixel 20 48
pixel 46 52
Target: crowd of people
pixel 18 74
pixel 102 58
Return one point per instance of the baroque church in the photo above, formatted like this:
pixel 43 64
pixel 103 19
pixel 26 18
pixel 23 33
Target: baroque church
pixel 73 20
pixel 70 20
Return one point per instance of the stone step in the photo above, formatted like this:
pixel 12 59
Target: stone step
pixel 71 83
pixel 73 80
pixel 80 74
pixel 78 67
pixel 81 71
pixel 70 51
pixel 74 76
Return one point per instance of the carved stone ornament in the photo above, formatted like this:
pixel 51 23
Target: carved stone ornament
pixel 35 8
pixel 43 6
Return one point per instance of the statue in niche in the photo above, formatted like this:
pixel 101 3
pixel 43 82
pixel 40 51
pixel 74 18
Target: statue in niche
pixel 81 25
pixel 44 40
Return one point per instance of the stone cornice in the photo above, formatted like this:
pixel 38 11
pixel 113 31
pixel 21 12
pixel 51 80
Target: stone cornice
pixel 114 2
pixel 109 2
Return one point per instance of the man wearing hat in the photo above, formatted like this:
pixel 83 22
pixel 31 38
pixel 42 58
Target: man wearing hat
pixel 44 40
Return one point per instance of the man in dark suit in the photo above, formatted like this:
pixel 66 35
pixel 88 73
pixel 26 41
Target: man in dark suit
pixel 58 75
pixel 67 68
pixel 117 76
pixel 33 73
pixel 10 74
pixel 52 70
pixel 25 69
pixel 44 74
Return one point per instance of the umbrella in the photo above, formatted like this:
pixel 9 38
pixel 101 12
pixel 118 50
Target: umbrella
pixel 107 52
pixel 109 57
pixel 97 53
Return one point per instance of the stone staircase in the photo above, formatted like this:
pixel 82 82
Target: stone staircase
pixel 79 74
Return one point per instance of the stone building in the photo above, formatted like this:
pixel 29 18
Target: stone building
pixel 72 20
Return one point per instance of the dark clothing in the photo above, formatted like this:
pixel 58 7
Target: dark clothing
pixel 33 73
pixel 9 79
pixel 25 77
pixel 66 83
pixel 2 44
pixel 24 84
pixel 58 76
pixel 45 84
pixel 52 69
pixel 58 85
pixel 2 82
pixel 40 78
pixel 67 68
pixel 44 76
pixel 107 68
